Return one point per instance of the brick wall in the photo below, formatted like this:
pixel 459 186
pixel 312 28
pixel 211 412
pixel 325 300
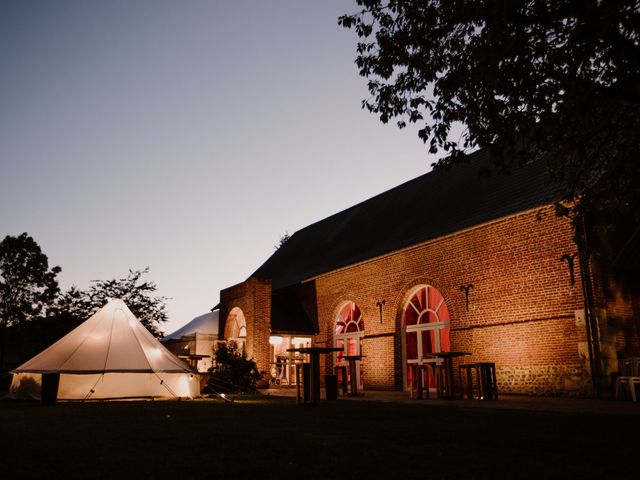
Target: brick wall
pixel 521 311
pixel 253 297
pixel 378 364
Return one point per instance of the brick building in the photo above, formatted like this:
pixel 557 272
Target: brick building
pixel 448 261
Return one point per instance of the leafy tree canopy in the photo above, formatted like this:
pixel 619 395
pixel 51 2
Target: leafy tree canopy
pixel 136 292
pixel 27 285
pixel 557 79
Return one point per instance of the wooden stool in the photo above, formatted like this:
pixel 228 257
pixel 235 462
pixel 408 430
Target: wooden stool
pixel 424 369
pixel 487 384
pixel 442 387
pixel 415 389
pixel 465 372
pixel 417 385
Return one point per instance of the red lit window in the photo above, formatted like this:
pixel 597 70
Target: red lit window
pixel 349 331
pixel 349 319
pixel 426 325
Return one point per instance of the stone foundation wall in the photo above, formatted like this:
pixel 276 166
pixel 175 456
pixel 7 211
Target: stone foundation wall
pixel 551 380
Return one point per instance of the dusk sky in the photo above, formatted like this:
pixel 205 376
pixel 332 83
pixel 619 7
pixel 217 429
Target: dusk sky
pixel 183 136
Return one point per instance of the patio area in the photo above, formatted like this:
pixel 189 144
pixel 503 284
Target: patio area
pixel 506 402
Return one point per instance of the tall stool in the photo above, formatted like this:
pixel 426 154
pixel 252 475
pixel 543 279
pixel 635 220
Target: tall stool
pixel 487 384
pixel 443 389
pixel 465 373
pixel 418 374
pixel 423 369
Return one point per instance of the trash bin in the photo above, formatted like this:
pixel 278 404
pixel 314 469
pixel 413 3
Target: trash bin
pixel 306 382
pixel 49 389
pixel 487 381
pixel 331 386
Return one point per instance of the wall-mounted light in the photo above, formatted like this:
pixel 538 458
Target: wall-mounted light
pixel 300 340
pixel 569 258
pixel 275 340
pixel 465 288
pixel 379 305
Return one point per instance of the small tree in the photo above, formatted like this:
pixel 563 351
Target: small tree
pixel 27 285
pixel 283 239
pixel 233 371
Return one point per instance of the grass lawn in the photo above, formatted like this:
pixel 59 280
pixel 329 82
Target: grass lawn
pixel 273 438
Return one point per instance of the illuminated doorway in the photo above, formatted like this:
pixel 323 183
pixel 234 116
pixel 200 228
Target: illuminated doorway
pixel 348 335
pixel 283 362
pixel 236 328
pixel 426 329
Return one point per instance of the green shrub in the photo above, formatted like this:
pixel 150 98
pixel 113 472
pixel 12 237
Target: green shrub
pixel 233 371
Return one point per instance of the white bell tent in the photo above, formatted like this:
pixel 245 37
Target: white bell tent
pixel 109 356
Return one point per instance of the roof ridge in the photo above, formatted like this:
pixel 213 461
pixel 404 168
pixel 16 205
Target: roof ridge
pixel 431 205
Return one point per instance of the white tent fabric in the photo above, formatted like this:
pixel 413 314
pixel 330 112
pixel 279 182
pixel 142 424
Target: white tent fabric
pixel 203 324
pixel 196 340
pixel 109 356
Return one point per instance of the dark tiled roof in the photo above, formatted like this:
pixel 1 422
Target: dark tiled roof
pixel 629 256
pixel 430 206
pixel 288 315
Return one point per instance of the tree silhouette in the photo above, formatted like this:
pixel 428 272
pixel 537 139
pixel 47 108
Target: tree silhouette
pixel 554 80
pixel 283 239
pixel 27 286
pixel 133 290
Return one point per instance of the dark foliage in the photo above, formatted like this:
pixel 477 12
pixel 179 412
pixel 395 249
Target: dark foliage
pixel 558 80
pixel 133 290
pixel 27 286
pixel 25 340
pixel 283 239
pixel 233 371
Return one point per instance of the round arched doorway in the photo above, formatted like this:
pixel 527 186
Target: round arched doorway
pixel 426 325
pixel 348 334
pixel 236 328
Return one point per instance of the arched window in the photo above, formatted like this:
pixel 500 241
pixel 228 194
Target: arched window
pixel 348 334
pixel 236 327
pixel 426 325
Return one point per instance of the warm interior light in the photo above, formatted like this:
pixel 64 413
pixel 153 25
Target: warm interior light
pixel 275 340
pixel 300 340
